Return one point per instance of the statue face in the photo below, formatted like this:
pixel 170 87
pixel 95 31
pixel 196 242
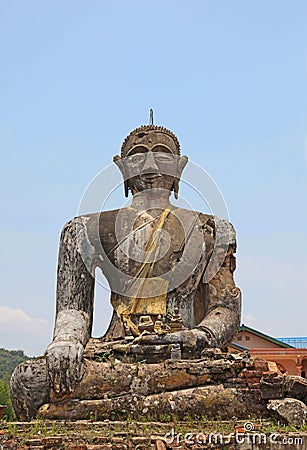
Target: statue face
pixel 152 162
pixel 150 168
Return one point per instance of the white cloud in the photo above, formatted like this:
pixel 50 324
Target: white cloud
pixel 20 331
pixel 249 320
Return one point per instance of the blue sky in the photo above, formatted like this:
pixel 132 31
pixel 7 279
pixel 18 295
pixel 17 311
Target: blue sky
pixel 229 78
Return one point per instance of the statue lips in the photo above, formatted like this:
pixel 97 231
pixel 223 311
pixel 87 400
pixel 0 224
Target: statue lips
pixel 152 180
pixel 151 177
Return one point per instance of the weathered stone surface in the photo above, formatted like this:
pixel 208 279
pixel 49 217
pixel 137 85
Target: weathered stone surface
pixel 115 382
pixel 78 447
pixel 99 446
pixel 9 444
pixel 296 387
pixel 289 409
pixel 273 368
pixel 272 386
pixel 211 401
pixel 30 387
pixel 160 445
pixel 125 389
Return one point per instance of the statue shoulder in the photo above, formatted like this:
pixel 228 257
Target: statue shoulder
pixel 217 227
pixel 101 221
pixel 105 217
pixel 96 229
pixel 215 220
pixel 222 229
pixel 209 219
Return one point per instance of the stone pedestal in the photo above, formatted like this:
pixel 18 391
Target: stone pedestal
pixel 216 385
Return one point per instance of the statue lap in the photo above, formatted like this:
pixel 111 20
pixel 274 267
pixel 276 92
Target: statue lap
pixel 218 384
pixel 213 385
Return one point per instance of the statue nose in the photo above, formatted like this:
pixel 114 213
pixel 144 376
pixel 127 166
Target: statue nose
pixel 150 163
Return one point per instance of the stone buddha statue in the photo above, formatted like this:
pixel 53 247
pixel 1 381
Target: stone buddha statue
pixel 170 272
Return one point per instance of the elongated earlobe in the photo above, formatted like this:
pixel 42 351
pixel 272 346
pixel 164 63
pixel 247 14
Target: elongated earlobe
pixel 175 188
pixel 182 162
pixel 126 186
pixel 121 165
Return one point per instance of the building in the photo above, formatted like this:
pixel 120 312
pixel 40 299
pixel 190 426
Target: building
pixel 290 354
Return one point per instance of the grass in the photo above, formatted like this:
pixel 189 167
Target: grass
pixel 91 429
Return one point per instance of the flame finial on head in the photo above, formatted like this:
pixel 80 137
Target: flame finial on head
pixel 151 117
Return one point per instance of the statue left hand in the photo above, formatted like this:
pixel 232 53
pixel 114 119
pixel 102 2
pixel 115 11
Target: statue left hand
pixel 188 339
pixel 64 358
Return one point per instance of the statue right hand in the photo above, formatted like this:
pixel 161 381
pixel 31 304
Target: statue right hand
pixel 64 360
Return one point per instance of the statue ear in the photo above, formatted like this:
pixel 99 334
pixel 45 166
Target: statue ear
pixel 119 161
pixel 182 162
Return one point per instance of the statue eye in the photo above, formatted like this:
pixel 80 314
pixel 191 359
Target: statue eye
pixel 164 157
pixel 138 158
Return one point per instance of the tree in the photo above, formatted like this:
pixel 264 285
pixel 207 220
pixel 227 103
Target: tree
pixel 9 359
pixel 5 399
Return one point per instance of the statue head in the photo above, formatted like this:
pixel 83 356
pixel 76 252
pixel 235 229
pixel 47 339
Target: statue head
pixel 150 159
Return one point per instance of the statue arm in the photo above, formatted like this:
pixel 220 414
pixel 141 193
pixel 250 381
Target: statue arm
pixel 75 283
pixel 74 305
pixel 222 319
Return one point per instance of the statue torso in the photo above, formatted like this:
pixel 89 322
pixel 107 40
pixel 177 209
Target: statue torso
pixel 179 253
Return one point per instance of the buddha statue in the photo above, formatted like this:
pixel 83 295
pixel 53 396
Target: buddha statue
pixel 170 272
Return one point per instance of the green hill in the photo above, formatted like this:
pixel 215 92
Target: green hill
pixel 9 359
